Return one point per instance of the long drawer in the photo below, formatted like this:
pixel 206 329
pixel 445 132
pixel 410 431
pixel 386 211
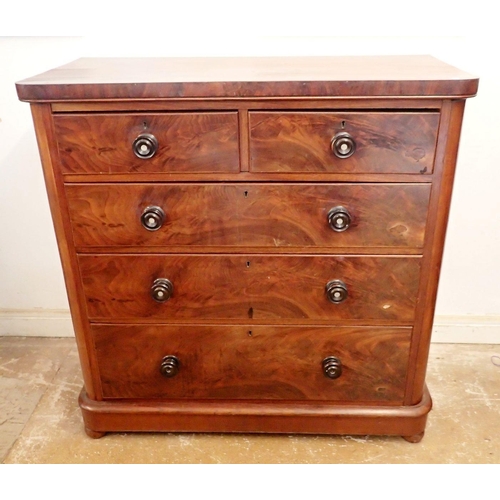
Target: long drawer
pixel 300 216
pixel 259 287
pixel 348 364
pixel 343 142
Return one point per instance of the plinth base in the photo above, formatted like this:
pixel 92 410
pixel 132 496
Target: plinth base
pixel 101 417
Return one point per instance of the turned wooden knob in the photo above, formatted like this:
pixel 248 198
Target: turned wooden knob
pixel 339 219
pixel 343 145
pixel 152 218
pixel 169 366
pixel 145 146
pixel 332 367
pixel 162 289
pixel 336 291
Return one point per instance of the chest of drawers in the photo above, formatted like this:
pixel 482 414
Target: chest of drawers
pixel 251 245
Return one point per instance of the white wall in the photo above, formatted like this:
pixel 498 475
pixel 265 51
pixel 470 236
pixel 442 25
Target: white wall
pixel 30 274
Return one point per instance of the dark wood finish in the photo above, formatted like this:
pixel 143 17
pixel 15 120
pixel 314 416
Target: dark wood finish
pixel 302 142
pixel 206 281
pixel 289 216
pixel 44 129
pixel 255 417
pixel 434 245
pixel 415 438
pixel 94 434
pixel 127 249
pixel 253 362
pixel 169 366
pixel 171 177
pixel 158 78
pixel 188 142
pixel 228 287
pixel 272 103
pixel 244 140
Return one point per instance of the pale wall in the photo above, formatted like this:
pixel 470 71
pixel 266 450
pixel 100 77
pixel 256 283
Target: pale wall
pixel 31 284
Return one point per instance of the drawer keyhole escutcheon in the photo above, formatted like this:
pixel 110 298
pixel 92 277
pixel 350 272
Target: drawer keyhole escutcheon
pixel 332 367
pixel 336 291
pixel 162 289
pixel 339 219
pixel 343 145
pixel 145 146
pixel 152 218
pixel 169 366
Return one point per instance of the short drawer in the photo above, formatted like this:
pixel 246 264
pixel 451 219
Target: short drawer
pixel 148 143
pixel 243 287
pixel 368 142
pixel 297 216
pixel 253 362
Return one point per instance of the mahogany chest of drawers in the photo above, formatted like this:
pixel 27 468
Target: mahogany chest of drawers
pixel 251 245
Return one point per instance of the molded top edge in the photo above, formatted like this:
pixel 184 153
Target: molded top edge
pixel 90 79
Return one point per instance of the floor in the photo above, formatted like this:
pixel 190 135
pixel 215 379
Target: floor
pixel 40 421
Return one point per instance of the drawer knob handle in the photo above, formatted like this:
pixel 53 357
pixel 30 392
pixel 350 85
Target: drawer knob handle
pixel 162 289
pixel 169 366
pixel 336 291
pixel 343 145
pixel 339 219
pixel 145 146
pixel 332 367
pixel 152 218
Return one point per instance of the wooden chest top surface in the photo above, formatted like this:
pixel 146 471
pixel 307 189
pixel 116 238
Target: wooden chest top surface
pixel 145 78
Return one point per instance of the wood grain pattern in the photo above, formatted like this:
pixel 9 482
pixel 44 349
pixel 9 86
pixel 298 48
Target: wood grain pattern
pixel 259 287
pixel 216 249
pixel 254 416
pixel 271 103
pixel 172 177
pixel 42 119
pixel 291 216
pixel 247 362
pixel 158 78
pixel 188 142
pixel 244 140
pixel 301 142
pixel 434 245
pixel 246 176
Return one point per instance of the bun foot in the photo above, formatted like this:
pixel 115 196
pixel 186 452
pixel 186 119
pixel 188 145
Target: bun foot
pixel 416 438
pixel 94 434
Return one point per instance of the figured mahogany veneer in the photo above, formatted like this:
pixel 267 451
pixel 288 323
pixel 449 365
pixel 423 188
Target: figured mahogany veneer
pixel 90 79
pixel 301 142
pixel 253 362
pixel 251 245
pixel 228 287
pixel 289 216
pixel 188 142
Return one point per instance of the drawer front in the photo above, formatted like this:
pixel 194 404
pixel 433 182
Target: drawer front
pixel 299 216
pixel 252 362
pixel 304 142
pixel 232 287
pixel 186 142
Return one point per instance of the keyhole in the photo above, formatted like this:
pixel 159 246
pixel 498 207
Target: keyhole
pixel 248 263
pixel 249 333
pixel 246 194
pixel 342 124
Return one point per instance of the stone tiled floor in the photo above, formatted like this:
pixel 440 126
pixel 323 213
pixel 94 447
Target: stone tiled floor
pixel 40 421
